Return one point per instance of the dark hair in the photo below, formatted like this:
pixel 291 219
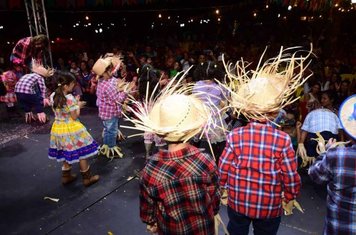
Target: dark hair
pixel 149 76
pixel 331 94
pixel 62 78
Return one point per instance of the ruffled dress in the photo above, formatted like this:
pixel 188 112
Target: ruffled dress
pixel 70 141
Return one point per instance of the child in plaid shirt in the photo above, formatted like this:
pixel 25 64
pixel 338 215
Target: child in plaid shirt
pixel 179 191
pixel 109 100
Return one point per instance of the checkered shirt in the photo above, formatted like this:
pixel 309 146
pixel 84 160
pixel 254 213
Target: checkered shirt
pixel 29 83
pixel 257 164
pixel 337 167
pixel 109 99
pixel 21 51
pixel 320 120
pixel 179 191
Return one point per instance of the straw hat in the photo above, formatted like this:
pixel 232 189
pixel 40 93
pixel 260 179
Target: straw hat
pixel 101 65
pixel 261 93
pixel 39 69
pixel 174 114
pixel 347 116
pixel 178 117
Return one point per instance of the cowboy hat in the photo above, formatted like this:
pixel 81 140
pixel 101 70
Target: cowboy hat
pixel 347 116
pixel 101 65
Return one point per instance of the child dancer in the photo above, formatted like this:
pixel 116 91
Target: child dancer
pixel 110 98
pixel 179 191
pixel 70 141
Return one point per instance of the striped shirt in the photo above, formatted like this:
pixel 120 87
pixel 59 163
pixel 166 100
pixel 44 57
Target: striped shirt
pixel 259 162
pixel 337 167
pixel 179 191
pixel 109 99
pixel 320 120
pixel 31 83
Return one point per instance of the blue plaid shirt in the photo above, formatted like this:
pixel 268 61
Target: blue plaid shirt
pixel 337 167
pixel 320 120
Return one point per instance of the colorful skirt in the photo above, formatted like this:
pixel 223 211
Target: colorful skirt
pixel 70 141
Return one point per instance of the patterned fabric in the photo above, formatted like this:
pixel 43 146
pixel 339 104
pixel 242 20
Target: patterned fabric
pixel 9 79
pixel 21 53
pixel 337 167
pixel 259 162
pixel 179 190
pixel 30 83
pixel 109 99
pixel 150 137
pixel 321 120
pixel 70 140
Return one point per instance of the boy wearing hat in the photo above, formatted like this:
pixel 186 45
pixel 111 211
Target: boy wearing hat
pixel 337 168
pixel 258 166
pixel 110 97
pixel 178 187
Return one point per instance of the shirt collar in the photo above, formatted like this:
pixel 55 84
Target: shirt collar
pixel 166 155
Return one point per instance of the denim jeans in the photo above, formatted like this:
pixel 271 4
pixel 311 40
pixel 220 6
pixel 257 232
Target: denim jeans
pixel 111 128
pixel 240 224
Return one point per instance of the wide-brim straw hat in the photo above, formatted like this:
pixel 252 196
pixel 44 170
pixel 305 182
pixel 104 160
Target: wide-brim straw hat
pixel 259 94
pixel 175 114
pixel 101 65
pixel 178 117
pixel 347 116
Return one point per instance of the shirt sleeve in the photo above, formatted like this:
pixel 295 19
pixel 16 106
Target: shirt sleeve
pixel 225 161
pixel 115 95
pixel 214 191
pixel 290 177
pixel 320 171
pixel 147 205
pixel 41 84
pixel 305 126
pixel 72 103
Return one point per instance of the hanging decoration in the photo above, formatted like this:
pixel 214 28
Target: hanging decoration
pixel 311 5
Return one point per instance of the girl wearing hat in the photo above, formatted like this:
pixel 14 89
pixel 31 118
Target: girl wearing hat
pixel 70 142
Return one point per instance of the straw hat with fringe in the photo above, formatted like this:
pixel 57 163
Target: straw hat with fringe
pixel 39 69
pixel 174 114
pixel 259 94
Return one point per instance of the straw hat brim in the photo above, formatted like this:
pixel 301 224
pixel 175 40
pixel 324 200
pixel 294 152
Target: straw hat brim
pixel 181 125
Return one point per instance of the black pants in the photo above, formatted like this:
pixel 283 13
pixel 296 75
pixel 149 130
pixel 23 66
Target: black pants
pixel 240 224
pixel 310 145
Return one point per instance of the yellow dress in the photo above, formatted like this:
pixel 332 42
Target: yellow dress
pixel 70 141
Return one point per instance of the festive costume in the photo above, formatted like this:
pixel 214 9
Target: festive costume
pixel 109 101
pixel 178 188
pixel 258 166
pixel 70 140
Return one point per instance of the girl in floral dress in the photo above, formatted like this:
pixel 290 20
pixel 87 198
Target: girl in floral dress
pixel 70 141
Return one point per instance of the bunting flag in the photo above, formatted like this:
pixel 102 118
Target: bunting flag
pixel 311 5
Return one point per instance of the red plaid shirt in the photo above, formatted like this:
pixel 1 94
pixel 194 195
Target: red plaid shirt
pixel 258 163
pixel 109 99
pixel 179 191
